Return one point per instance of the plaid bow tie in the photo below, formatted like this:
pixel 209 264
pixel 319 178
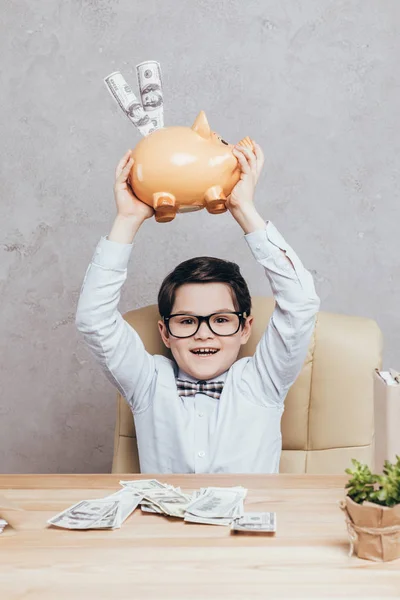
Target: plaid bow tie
pixel 187 388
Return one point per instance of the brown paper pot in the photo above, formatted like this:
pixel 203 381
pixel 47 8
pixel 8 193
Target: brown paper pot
pixel 374 530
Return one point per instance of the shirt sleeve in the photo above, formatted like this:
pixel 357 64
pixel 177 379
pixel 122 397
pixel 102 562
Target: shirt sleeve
pixel 114 343
pixel 282 350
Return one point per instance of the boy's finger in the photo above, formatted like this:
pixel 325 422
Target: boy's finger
pixel 244 165
pixel 122 163
pixel 251 159
pixel 130 162
pixel 259 158
pixel 125 170
pixel 249 154
pixel 118 169
pixel 259 152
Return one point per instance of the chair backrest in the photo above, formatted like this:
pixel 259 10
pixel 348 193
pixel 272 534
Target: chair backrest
pixel 329 410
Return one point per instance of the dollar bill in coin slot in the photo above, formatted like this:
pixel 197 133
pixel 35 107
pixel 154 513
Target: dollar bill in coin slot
pixel 146 113
pixel 151 91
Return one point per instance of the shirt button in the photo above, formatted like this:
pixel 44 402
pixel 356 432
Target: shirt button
pixel 201 454
pixel 200 415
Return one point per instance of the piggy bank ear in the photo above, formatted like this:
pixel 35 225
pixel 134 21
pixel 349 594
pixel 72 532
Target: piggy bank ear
pixel 201 125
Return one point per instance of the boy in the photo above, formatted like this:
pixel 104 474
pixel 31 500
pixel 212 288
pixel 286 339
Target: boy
pixel 205 411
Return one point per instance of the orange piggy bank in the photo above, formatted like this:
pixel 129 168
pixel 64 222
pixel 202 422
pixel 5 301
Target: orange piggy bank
pixel 182 169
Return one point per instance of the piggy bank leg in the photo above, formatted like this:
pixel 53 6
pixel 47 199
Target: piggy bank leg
pixel 164 205
pixel 214 199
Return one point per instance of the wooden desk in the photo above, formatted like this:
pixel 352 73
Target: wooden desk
pixel 156 557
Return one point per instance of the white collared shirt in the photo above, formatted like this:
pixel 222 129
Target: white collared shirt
pixel 238 433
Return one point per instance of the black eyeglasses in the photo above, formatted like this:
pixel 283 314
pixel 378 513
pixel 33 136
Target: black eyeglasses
pixel 223 324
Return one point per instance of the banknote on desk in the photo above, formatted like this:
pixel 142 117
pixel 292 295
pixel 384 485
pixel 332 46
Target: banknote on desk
pixel 216 506
pixel 148 507
pixel 145 484
pixel 172 502
pixel 255 522
pixel 103 513
pixel 160 498
pixel 86 514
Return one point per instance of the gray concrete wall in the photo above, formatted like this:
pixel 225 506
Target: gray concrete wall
pixel 316 82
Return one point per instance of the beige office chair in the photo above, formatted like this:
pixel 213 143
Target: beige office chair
pixel 328 417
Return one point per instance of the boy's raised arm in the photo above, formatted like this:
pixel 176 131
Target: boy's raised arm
pixel 281 352
pixel 114 343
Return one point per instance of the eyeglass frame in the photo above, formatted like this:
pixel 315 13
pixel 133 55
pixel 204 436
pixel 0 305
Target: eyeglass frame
pixel 242 317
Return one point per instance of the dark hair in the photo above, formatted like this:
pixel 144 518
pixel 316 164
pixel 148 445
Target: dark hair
pixel 204 269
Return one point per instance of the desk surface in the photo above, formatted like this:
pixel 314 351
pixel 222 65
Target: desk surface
pixel 156 557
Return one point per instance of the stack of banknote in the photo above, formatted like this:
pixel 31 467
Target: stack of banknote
pixel 255 522
pixel 216 506
pixel 211 506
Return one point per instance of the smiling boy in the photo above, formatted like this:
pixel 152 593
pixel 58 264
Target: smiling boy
pixel 203 411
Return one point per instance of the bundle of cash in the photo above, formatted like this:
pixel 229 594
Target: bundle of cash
pixel 211 506
pixel 255 522
pixel 170 501
pixel 216 506
pixel 3 524
pixel 149 507
pixel 151 92
pixel 129 103
pixel 104 513
pixel 159 497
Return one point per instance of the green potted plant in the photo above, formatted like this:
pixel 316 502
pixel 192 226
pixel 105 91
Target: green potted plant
pixel 372 509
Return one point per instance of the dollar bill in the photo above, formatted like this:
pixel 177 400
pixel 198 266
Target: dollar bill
pixel 255 522
pixel 204 521
pixel 239 509
pixel 154 495
pixel 151 91
pixel 171 502
pixel 87 514
pixel 150 508
pixel 236 488
pixel 145 484
pixel 129 499
pixel 129 103
pixel 235 511
pixel 111 520
pixel 218 502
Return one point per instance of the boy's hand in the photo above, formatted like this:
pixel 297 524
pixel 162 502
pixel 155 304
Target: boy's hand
pixel 241 199
pixel 128 205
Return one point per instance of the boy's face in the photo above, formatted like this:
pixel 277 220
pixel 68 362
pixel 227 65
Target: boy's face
pixel 204 299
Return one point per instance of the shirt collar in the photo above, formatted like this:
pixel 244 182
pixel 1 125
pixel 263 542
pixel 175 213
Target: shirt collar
pixel 187 377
